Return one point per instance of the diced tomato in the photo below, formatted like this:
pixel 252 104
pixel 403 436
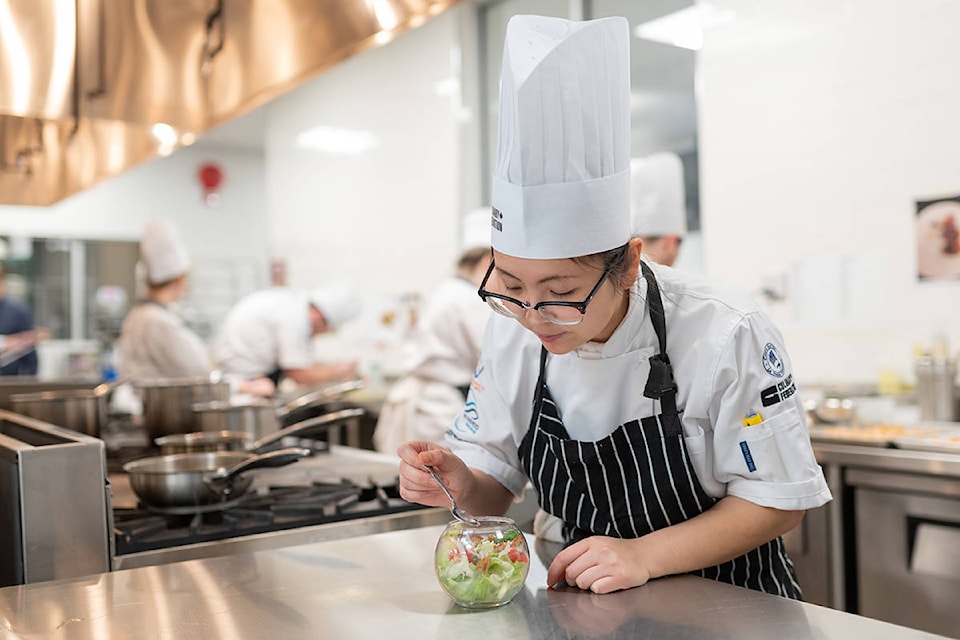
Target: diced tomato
pixel 454 554
pixel 517 556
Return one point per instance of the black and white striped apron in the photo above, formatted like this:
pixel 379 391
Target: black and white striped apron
pixel 639 478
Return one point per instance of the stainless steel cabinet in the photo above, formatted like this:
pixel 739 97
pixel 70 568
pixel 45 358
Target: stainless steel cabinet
pixel 908 549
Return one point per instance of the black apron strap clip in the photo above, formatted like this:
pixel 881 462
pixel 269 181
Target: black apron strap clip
pixel 660 380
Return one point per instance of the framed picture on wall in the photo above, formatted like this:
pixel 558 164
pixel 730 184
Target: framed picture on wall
pixel 938 238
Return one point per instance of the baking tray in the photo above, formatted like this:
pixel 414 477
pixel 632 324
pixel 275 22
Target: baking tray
pixel 875 435
pixel 939 445
pixel 942 438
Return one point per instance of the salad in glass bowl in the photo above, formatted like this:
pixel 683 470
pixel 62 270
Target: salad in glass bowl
pixel 484 566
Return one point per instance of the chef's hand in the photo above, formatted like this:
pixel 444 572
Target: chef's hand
pixel 416 483
pixel 343 370
pixel 262 387
pixel 600 564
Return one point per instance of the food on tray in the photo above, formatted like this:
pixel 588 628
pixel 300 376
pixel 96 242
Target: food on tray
pixel 483 566
pixel 874 434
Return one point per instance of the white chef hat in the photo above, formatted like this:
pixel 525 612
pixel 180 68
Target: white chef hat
pixel 163 253
pixel 339 303
pixel 658 203
pixel 561 183
pixel 475 229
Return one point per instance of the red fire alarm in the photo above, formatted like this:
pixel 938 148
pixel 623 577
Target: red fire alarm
pixel 211 177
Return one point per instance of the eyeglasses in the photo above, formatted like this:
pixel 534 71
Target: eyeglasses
pixel 557 312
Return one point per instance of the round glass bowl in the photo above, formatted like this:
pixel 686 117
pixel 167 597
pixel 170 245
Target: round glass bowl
pixel 485 566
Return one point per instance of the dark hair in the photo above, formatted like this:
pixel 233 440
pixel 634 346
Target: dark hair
pixel 616 261
pixel 472 257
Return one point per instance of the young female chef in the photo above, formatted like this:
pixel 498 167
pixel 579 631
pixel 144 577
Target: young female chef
pixel 655 416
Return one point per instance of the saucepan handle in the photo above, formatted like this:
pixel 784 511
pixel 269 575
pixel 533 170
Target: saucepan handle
pixel 306 426
pixel 320 396
pixel 278 458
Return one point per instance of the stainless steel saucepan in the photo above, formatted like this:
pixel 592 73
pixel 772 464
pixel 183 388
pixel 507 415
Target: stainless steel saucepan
pixel 260 418
pixel 83 410
pixel 198 480
pixel 206 441
pixel 168 402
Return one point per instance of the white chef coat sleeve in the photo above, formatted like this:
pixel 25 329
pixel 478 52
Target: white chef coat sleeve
pixel 483 434
pixel 293 337
pixel 770 463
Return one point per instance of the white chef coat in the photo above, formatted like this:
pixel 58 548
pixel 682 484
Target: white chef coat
pixel 440 357
pixel 155 343
pixel 265 331
pixel 727 358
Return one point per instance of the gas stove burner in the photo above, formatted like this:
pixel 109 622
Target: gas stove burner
pixel 328 498
pixel 192 510
pixel 262 510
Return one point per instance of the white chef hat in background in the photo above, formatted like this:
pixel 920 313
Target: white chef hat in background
pixel 475 229
pixel 162 251
pixel 339 302
pixel 658 201
pixel 561 183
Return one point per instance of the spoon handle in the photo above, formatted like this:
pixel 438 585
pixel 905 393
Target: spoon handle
pixel 436 477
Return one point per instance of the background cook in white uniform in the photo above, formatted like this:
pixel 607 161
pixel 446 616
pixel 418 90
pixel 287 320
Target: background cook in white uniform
pixel 658 205
pixel 268 333
pixel 154 341
pixel 443 351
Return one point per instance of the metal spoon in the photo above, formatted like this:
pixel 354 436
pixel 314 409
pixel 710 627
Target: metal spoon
pixel 455 509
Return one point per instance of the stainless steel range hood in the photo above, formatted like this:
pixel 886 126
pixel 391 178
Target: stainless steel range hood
pixel 89 88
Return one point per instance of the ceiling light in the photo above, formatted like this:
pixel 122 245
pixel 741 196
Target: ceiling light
pixel 337 140
pixel 165 134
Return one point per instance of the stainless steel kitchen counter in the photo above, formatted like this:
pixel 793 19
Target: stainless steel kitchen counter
pixel 383 586
pixel 888 459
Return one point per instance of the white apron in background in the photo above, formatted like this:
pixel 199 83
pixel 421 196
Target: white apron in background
pixel 441 358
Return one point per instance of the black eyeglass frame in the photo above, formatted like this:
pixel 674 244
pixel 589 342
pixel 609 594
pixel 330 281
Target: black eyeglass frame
pixel 580 306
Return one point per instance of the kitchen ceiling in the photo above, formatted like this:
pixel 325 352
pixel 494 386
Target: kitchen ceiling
pixel 89 88
pixel 663 105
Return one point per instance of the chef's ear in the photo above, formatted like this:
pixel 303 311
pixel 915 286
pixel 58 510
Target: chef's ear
pixel 629 275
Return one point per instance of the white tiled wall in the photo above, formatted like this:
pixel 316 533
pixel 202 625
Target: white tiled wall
pixel 821 122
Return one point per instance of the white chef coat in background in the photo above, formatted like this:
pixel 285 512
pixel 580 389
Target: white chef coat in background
pixel 723 349
pixel 155 343
pixel 441 357
pixel 265 331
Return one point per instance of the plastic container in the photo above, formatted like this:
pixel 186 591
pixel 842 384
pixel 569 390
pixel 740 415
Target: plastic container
pixel 482 567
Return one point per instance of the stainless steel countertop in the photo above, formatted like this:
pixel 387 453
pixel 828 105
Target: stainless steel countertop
pixel 383 585
pixel 888 459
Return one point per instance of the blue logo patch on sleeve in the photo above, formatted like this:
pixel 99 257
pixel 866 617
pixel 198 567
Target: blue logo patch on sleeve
pixel 469 419
pixel 772 361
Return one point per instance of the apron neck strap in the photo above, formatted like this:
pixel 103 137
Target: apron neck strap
pixel 661 380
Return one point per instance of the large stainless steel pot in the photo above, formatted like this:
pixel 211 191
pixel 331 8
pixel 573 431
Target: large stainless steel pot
pixel 206 441
pixel 261 418
pixel 196 480
pixel 168 402
pixel 83 410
